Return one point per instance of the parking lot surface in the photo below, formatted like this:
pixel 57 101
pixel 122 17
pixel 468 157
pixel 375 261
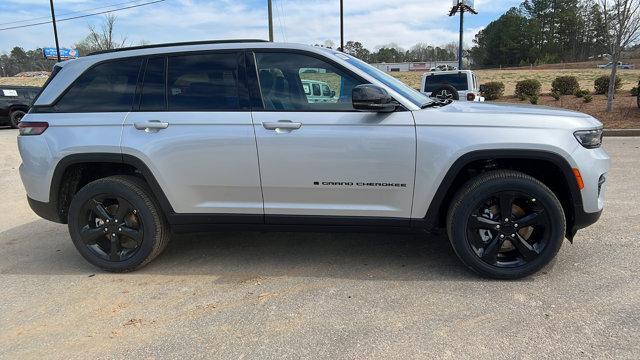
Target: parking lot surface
pixel 241 295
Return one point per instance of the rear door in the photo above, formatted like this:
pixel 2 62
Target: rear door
pixel 324 161
pixel 193 129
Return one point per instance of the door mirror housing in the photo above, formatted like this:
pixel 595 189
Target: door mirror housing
pixel 369 97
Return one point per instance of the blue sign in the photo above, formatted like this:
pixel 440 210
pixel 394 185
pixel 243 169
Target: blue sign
pixel 65 54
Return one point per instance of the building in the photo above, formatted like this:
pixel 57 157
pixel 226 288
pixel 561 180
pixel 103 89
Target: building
pixel 413 66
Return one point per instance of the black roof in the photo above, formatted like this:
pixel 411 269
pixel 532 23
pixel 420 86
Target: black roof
pixel 151 46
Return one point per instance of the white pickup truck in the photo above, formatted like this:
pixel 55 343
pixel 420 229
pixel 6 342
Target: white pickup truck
pixel 453 85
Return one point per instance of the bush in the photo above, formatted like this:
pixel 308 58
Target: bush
pixel 526 89
pixel 581 93
pixel 635 91
pixel 565 85
pixel 555 95
pixel 601 84
pixel 492 90
pixel 587 98
pixel 533 99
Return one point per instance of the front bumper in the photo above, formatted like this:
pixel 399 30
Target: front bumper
pixel 582 220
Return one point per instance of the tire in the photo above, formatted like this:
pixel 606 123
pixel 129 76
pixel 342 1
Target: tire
pixel 95 216
pixel 445 92
pixel 505 249
pixel 15 117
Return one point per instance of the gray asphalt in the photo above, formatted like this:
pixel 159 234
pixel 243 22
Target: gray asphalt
pixel 242 295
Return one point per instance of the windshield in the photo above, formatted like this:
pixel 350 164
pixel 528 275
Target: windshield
pixel 398 86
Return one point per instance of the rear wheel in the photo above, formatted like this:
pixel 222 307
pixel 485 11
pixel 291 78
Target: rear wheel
pixel 15 117
pixel 445 92
pixel 506 224
pixel 116 225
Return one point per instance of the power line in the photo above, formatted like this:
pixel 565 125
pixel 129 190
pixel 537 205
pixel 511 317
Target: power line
pixel 83 16
pixel 70 13
pixel 279 15
pixel 284 20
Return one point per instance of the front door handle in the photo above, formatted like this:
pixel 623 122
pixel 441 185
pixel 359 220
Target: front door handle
pixel 151 125
pixel 282 126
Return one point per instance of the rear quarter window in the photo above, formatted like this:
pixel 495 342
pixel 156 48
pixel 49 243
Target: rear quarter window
pixel 106 87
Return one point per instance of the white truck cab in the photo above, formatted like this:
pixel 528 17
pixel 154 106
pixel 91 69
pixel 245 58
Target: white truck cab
pixel 454 85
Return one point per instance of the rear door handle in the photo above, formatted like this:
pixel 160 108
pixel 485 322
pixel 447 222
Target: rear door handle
pixel 151 125
pixel 282 126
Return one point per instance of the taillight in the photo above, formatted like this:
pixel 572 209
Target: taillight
pixel 471 96
pixel 32 128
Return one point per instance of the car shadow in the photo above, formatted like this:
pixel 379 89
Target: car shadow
pixel 42 247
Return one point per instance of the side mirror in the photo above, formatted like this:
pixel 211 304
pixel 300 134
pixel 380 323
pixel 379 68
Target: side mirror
pixel 368 97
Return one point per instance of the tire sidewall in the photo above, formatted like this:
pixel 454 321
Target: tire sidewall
pixel 459 223
pixel 12 118
pixel 150 224
pixel 448 88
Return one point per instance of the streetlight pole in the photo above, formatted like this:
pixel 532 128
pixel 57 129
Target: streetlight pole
pixel 461 6
pixel 341 26
pixel 270 20
pixel 55 29
pixel 460 42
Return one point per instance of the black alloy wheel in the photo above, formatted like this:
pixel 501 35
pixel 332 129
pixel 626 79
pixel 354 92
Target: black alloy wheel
pixel 505 224
pixel 116 224
pixel 508 229
pixel 112 228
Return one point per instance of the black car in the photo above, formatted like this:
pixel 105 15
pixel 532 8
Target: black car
pixel 15 102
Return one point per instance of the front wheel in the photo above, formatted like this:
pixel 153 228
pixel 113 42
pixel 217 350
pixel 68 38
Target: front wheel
pixel 116 224
pixel 506 224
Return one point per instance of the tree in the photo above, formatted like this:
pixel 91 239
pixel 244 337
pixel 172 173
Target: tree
pixel 102 38
pixel 622 24
pixel 356 49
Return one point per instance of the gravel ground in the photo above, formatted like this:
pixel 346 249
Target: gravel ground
pixel 308 295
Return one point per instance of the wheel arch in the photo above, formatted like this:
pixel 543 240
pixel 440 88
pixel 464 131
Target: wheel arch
pixel 75 170
pixel 551 165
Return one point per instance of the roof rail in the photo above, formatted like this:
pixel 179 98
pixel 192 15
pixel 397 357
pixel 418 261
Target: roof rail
pixel 151 46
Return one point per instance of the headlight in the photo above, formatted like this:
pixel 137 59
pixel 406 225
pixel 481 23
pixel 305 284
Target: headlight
pixel 590 139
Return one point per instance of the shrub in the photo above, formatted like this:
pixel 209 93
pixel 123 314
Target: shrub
pixel 635 91
pixel 587 98
pixel 492 90
pixel 581 93
pixel 525 89
pixel 533 99
pixel 601 84
pixel 555 95
pixel 565 85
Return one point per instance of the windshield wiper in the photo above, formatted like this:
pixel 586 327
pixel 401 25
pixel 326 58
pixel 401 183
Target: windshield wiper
pixel 435 103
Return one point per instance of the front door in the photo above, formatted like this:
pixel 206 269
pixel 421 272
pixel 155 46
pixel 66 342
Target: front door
pixel 321 160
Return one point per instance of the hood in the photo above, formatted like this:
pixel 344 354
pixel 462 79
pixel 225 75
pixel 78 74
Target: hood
pixel 505 115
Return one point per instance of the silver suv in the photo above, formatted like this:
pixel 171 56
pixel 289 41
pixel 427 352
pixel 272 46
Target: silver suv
pixel 129 146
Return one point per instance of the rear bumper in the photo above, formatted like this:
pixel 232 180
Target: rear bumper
pixel 45 210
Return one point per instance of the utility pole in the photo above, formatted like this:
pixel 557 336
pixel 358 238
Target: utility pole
pixel 341 26
pixel 461 6
pixel 270 21
pixel 55 29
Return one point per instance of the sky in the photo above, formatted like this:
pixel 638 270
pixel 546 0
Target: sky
pixel 372 22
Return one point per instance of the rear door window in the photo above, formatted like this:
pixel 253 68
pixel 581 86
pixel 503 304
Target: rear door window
pixel 106 87
pixel 205 82
pixel 458 81
pixel 153 97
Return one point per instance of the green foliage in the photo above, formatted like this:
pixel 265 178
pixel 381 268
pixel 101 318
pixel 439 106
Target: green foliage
pixel 635 91
pixel 581 93
pixel 555 95
pixel 587 98
pixel 528 89
pixel 534 99
pixel 601 84
pixel 493 90
pixel 542 32
pixel 565 85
